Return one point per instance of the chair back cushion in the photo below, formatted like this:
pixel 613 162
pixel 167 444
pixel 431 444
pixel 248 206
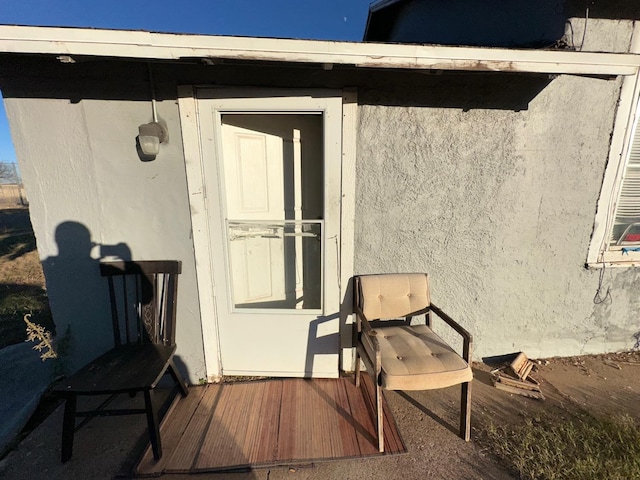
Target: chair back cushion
pixel 391 296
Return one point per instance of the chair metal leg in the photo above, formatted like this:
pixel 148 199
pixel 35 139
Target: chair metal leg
pixel 177 377
pixel 152 425
pixel 68 427
pixel 465 411
pixel 380 416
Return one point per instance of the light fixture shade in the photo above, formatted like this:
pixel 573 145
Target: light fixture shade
pixel 149 144
pixel 150 136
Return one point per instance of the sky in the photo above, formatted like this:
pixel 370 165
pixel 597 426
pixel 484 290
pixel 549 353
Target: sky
pixel 311 19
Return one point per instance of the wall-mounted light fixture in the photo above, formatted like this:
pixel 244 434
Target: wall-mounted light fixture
pixel 150 136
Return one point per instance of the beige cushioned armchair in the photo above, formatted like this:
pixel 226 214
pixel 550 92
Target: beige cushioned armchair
pixel 401 356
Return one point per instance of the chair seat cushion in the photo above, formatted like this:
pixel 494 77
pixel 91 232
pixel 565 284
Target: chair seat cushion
pixel 122 369
pixel 415 358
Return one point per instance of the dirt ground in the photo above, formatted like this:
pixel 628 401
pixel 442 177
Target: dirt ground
pixel 603 385
pixel 21 279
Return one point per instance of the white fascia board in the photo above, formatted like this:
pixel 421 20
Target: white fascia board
pixel 164 46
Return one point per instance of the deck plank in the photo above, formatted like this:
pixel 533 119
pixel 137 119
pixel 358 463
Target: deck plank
pixel 362 407
pixel 172 431
pixel 184 456
pixel 288 424
pixel 285 421
pixel 330 417
pixel 266 449
pixel 219 447
pixel 348 424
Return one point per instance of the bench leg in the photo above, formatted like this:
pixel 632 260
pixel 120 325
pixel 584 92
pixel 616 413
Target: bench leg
pixel 152 425
pixel 68 427
pixel 357 369
pixel 175 374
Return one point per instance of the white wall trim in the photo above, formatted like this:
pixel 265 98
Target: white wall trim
pixel 150 45
pixel 200 228
pixel 347 223
pixel 625 120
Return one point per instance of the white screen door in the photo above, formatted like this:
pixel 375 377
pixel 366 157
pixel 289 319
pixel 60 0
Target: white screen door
pixel 272 172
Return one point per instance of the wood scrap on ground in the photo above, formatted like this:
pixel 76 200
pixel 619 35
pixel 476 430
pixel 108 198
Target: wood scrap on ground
pixel 521 366
pixel 515 378
pixel 611 363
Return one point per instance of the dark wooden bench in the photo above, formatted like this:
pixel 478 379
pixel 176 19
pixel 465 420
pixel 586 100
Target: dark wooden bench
pixel 143 310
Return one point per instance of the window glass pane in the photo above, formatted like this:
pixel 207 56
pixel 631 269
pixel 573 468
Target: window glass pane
pixel 276 265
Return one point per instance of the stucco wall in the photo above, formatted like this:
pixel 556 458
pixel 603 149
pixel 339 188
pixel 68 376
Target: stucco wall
pixel 599 35
pixel 487 181
pixel 84 178
pixel 498 206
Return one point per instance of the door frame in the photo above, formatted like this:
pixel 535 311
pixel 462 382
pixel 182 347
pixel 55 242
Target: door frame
pixel 201 217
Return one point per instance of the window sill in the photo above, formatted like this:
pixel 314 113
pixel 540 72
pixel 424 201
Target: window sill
pixel 615 259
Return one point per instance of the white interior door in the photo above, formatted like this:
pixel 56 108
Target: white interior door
pixel 272 170
pixel 254 186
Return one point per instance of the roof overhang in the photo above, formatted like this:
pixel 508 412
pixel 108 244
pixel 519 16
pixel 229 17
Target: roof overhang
pixel 374 8
pixel 165 46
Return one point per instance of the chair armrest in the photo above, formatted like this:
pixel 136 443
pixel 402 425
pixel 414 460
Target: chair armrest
pixel 369 333
pixel 467 337
pixel 362 324
pixel 368 340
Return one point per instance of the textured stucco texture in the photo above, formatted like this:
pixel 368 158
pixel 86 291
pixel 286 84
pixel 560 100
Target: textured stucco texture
pixel 487 181
pixel 91 197
pixel 498 206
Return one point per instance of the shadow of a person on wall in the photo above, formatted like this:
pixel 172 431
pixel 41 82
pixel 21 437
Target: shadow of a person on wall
pixel 78 295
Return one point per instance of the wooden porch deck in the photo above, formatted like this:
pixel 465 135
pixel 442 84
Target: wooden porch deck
pixel 243 425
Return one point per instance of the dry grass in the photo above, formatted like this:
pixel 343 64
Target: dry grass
pixel 578 447
pixel 22 288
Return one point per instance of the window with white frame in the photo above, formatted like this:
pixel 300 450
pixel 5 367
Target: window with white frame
pixel 616 235
pixel 625 231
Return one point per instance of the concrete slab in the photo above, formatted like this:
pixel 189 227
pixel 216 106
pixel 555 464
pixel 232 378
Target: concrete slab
pixel 427 422
pixel 100 448
pixel 24 378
